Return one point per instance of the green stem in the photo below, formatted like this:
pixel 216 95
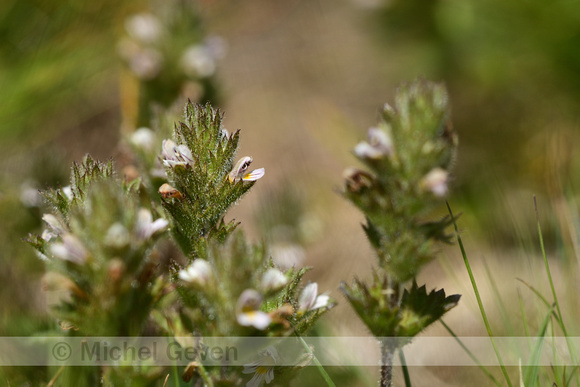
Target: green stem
pixel 478 297
pixel 470 354
pixel 321 369
pixel 204 375
pixel 405 368
pixel 556 302
pixel 175 375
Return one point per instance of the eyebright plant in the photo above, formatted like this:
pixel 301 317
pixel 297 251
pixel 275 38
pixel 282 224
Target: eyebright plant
pixel 409 155
pixel 97 245
pixel 229 287
pixel 101 245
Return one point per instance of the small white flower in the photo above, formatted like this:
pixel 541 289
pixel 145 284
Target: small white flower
pixel 273 280
pixel 378 145
pixel 175 155
pixel 146 64
pixel 143 138
pixel 287 254
pixel 67 191
pixel 146 227
pixel 71 250
pixel 263 368
pixel 117 236
pixel 197 61
pixel 55 227
pixel 248 310
pixel 436 182
pixel 254 175
pixel 199 273
pixel 29 194
pixel 143 27
pixel 239 172
pixel 310 300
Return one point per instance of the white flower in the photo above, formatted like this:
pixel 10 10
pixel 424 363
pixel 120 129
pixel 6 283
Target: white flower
pixel 199 274
pixel 143 27
pixel 117 236
pixel 378 145
pixel 197 61
pixel 67 191
pixel 248 310
pixel 273 280
pixel 287 254
pixel 310 300
pixel 174 155
pixel 239 171
pixel 71 250
pixel 146 227
pixel 263 368
pixel 436 182
pixel 55 229
pixel 29 194
pixel 143 138
pixel 254 175
pixel 146 64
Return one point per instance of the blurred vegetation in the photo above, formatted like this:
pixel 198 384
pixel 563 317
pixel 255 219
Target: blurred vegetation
pixel 513 71
pixel 61 90
pixel 56 58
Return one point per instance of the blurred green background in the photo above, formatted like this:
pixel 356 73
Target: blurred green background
pixel 304 79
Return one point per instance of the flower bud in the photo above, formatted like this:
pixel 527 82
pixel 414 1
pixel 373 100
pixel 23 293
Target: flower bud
pixel 71 250
pixel 273 280
pixel 356 180
pixel 117 236
pixel 199 274
pixel 435 182
pixel 143 138
pixel 377 146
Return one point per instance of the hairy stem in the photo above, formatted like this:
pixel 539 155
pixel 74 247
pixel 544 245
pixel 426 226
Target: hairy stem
pixel 387 355
pixel 389 344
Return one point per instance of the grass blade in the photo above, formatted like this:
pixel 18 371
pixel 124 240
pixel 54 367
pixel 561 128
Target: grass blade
pixel 319 366
pixel 478 297
pixel 405 369
pixel 556 302
pixel 532 371
pixel 471 355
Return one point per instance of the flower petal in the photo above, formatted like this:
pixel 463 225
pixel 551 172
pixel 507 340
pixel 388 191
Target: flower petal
pixel 257 319
pixel 254 175
pixel 308 297
pixel 321 301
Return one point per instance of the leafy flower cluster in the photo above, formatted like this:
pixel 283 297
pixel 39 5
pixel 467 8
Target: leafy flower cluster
pixel 101 246
pixel 409 155
pixel 230 287
pixel 98 246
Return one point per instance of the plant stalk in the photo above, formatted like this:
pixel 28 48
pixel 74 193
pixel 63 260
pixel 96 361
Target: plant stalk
pixel 387 355
pixel 389 344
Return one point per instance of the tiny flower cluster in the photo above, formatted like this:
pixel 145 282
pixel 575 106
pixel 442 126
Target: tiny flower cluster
pixel 165 52
pixel 103 259
pixel 408 154
pixel 143 49
pixel 202 179
pixel 409 162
